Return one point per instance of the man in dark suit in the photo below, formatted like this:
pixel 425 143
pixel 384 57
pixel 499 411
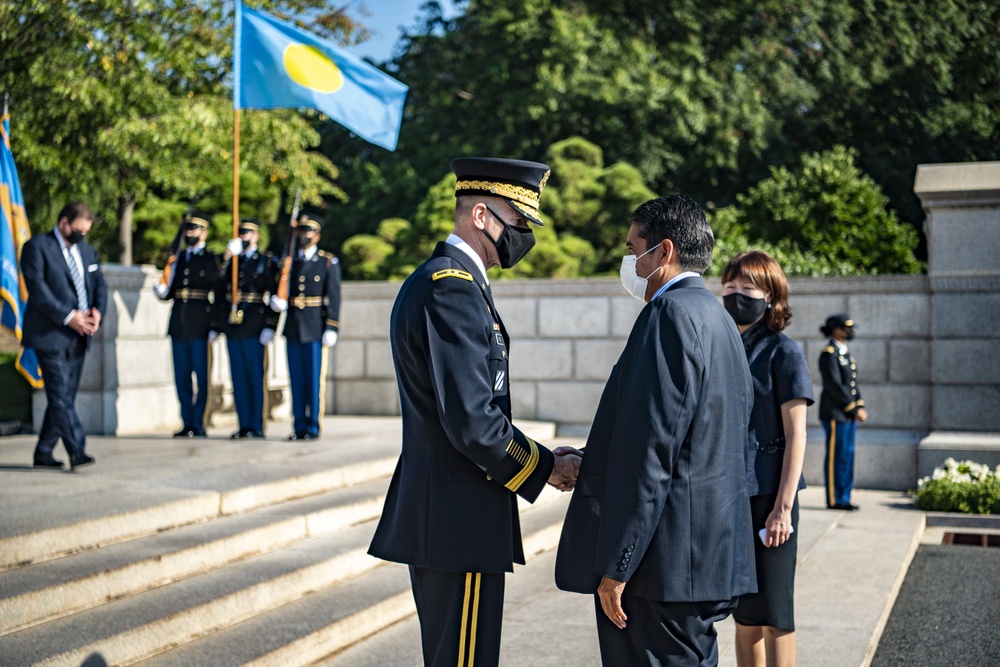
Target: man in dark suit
pixel 451 510
pixel 249 333
pixel 659 524
pixel 194 278
pixel 67 298
pixel 312 324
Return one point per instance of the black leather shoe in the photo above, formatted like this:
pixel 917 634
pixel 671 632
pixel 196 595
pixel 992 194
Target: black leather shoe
pixel 297 436
pixel 310 436
pixel 81 460
pixel 199 433
pixel 242 433
pixel 254 434
pixel 48 463
pixel 844 507
pixel 185 433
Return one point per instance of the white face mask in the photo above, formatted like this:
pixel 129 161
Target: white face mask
pixel 631 281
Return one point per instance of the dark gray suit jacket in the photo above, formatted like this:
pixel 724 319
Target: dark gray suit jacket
pixel 52 295
pixel 662 502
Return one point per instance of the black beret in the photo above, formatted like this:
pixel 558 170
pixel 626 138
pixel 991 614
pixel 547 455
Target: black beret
pixel 519 182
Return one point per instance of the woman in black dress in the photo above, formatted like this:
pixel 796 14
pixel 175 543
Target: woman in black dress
pixel 755 293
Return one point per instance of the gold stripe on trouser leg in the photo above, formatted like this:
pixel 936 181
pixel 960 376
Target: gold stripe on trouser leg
pixel 206 419
pixel 465 619
pixel 321 408
pixel 831 447
pixel 475 620
pixel 264 403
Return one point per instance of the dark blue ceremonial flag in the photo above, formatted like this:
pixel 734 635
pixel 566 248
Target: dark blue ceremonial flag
pixel 14 231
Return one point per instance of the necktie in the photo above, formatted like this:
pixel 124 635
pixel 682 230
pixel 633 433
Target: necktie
pixel 81 288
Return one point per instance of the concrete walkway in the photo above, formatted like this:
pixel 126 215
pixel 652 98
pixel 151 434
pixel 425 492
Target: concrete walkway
pixel 851 565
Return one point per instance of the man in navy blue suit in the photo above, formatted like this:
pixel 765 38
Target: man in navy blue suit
pixel 659 526
pixel 67 298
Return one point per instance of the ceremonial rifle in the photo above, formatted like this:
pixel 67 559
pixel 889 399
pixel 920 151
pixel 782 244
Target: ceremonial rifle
pixel 286 264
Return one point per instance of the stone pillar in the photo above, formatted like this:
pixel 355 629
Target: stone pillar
pixel 962 203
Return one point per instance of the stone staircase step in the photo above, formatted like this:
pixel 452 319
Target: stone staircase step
pixel 331 620
pixel 139 626
pixel 54 527
pixel 57 588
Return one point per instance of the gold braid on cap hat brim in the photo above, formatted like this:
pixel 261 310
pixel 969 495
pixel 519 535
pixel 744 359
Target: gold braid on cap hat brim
pixel 309 224
pixel 516 192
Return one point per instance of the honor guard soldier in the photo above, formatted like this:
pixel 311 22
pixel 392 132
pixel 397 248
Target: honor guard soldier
pixel 252 327
pixel 840 410
pixel 192 284
pixel 311 324
pixel 451 510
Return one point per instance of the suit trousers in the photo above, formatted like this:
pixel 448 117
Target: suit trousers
pixel 460 616
pixel 838 466
pixel 191 357
pixel 305 363
pixel 61 372
pixel 246 364
pixel 674 634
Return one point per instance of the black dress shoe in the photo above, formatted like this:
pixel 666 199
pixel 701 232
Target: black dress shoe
pixel 301 435
pixel 844 507
pixel 310 436
pixel 48 463
pixel 185 433
pixel 198 433
pixel 254 434
pixel 242 433
pixel 80 460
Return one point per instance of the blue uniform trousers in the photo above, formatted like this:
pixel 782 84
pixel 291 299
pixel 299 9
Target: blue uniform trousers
pixel 838 466
pixel 246 363
pixel 305 362
pixel 191 357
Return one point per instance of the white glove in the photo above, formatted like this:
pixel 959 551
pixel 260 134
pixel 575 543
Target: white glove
pixel 235 246
pixel 161 290
pixel 213 335
pixel 266 336
pixel 278 304
pixel 329 338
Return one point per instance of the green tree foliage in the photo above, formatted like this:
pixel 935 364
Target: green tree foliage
pixel 824 217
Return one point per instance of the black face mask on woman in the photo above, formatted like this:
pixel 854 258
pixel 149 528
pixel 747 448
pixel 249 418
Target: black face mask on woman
pixel 514 242
pixel 744 309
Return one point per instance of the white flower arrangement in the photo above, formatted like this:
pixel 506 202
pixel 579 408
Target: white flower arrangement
pixel 960 486
pixel 965 472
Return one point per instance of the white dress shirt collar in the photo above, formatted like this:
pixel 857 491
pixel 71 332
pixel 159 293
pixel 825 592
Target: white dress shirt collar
pixel 455 240
pixel 676 279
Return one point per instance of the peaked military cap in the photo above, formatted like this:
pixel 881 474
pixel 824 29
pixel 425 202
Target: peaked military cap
pixel 310 221
pixel 198 219
pixel 519 182
pixel 835 322
pixel 249 225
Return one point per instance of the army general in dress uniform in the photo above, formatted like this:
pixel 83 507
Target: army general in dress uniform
pixel 840 409
pixel 247 335
pixel 192 285
pixel 312 324
pixel 451 509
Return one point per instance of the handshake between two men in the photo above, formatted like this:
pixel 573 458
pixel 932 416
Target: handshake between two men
pixel 566 468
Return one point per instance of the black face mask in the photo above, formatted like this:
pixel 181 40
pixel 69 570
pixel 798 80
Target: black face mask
pixel 191 240
pixel 74 237
pixel 849 334
pixel 744 309
pixel 514 242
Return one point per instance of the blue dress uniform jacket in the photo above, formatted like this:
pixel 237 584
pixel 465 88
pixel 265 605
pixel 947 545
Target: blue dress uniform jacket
pixel 257 279
pixel 662 501
pixel 313 298
pixel 452 501
pixel 841 395
pixel 192 289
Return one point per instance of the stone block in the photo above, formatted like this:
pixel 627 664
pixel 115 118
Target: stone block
pixel 884 459
pixel 594 359
pixel 809 312
pixel 523 399
pixel 962 446
pixel 140 362
pixel 624 311
pixel 897 406
pixel 892 315
pixel 966 315
pixel 365 319
pixel 873 360
pixel 909 361
pixel 574 317
pixel 541 359
pixel 349 359
pixel 366 397
pixel 378 360
pixel 966 407
pixel 966 362
pixel 519 316
pixel 145 410
pixel 964 240
pixel 813 348
pixel 574 402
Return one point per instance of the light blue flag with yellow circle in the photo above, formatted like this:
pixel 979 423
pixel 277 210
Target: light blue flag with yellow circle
pixel 278 65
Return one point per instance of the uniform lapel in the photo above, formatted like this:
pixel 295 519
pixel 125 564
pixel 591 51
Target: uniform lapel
pixel 448 250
